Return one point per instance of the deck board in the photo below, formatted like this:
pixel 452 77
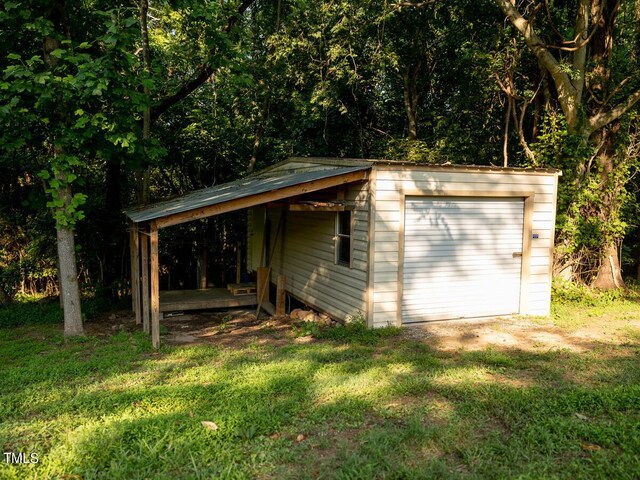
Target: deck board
pixel 172 300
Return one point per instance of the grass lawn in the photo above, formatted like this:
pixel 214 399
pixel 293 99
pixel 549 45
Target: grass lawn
pixel 360 406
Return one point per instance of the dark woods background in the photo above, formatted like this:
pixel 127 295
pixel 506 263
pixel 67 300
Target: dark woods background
pixel 121 103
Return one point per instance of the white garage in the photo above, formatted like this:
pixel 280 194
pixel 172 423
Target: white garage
pixel 425 242
pixel 393 242
pixel 451 242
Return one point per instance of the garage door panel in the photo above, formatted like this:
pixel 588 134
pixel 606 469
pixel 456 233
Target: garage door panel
pixel 472 285
pixel 442 275
pixel 479 224
pixel 420 249
pixel 458 258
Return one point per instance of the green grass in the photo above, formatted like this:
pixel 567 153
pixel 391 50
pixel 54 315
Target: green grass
pixel 382 407
pixel 574 306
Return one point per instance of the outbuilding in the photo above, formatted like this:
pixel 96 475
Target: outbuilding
pixel 392 242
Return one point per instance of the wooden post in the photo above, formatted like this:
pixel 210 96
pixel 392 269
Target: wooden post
pixel 238 262
pixel 203 267
pixel 145 280
pixel 155 287
pixel 281 295
pixel 135 271
pixel 262 285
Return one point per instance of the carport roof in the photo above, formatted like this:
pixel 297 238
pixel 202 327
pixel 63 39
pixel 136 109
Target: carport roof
pixel 277 184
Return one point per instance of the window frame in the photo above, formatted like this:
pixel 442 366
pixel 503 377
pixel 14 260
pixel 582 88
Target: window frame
pixel 340 235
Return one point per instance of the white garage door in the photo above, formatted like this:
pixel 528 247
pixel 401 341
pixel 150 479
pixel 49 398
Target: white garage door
pixel 462 257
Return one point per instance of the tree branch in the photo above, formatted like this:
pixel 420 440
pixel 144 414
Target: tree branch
pixel 566 91
pixel 600 120
pixel 203 73
pixel 582 38
pixel 399 5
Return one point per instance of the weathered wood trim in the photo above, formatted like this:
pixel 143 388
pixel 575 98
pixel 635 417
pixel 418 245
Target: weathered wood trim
pixel 155 287
pixel 371 250
pixel 239 301
pixel 262 285
pixel 144 240
pixel 266 197
pixel 281 295
pixel 298 207
pixel 134 247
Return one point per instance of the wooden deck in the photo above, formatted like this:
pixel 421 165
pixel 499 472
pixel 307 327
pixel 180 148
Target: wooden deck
pixel 173 300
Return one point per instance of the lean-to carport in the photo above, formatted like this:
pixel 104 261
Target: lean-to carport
pixel 240 194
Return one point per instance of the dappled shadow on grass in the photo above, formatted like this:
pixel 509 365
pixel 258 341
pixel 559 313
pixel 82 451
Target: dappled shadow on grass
pixel 111 408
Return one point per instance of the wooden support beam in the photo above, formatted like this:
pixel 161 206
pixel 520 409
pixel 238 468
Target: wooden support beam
pixel 144 240
pixel 238 263
pixel 320 208
pixel 134 247
pixel 203 267
pixel 250 201
pixel 281 295
pixel 262 284
pixel 314 206
pixel 155 287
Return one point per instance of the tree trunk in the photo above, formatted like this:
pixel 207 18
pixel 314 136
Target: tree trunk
pixel 505 141
pixel 262 119
pixel 69 282
pixel 609 274
pixel 410 78
pixel 608 208
pixel 142 177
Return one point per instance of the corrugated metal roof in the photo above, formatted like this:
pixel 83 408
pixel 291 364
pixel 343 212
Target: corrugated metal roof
pixel 242 188
pixel 382 163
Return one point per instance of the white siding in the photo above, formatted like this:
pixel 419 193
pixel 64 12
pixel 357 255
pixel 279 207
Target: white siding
pixel 390 183
pixel 305 254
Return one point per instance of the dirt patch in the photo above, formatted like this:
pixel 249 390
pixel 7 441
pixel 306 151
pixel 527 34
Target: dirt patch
pixel 231 328
pixel 239 328
pixel 514 332
pixel 236 328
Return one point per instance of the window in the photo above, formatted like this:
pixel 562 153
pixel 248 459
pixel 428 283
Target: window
pixel 343 238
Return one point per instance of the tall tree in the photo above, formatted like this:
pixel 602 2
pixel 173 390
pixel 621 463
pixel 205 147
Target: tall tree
pixel 65 104
pixel 594 88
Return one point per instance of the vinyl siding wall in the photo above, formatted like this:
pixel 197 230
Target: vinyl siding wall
pixel 389 183
pixel 305 254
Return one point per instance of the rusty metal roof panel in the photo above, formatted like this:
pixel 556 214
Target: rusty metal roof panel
pixel 242 188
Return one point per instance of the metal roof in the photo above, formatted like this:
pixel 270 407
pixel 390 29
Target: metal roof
pixel 242 188
pixel 389 163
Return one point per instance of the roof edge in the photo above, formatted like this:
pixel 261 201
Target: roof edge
pixel 390 163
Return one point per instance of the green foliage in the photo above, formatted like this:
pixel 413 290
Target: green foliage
pixel 30 312
pixel 593 206
pixel 564 292
pixel 69 106
pixel 410 150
